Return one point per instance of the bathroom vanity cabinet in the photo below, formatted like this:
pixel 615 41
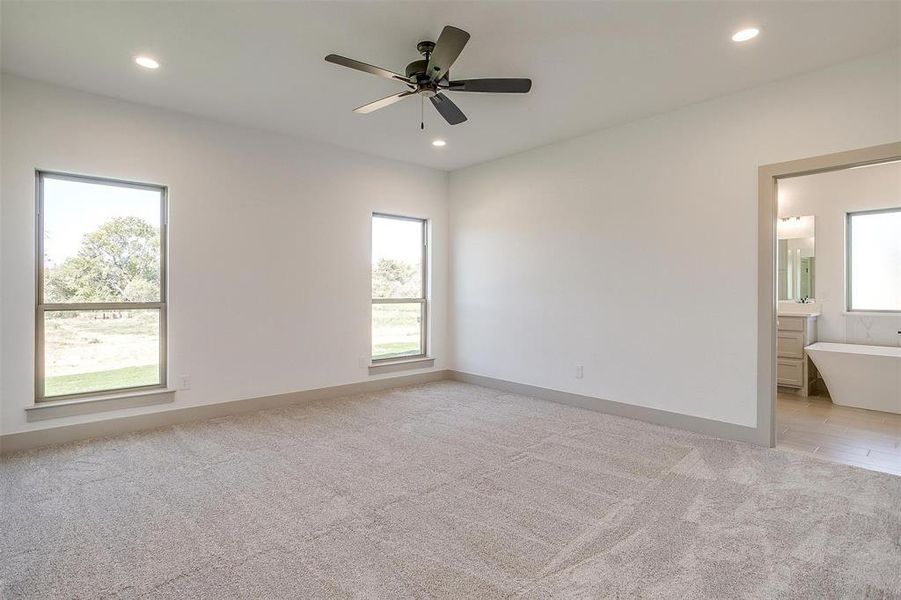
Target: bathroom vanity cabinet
pixel 793 367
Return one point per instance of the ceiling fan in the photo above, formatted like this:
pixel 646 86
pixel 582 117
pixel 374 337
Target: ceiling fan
pixel 430 77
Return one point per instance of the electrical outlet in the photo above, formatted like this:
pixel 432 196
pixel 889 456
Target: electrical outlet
pixel 185 382
pixel 578 371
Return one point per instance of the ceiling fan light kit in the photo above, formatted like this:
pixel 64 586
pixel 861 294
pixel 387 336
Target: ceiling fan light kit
pixel 429 77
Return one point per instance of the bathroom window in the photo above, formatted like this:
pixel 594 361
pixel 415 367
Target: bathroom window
pixel 399 276
pixel 101 287
pixel 874 260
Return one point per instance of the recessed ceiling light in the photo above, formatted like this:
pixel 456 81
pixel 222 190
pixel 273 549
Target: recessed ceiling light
pixel 146 62
pixel 439 143
pixel 745 34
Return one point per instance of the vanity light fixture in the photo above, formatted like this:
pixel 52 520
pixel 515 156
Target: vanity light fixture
pixel 147 62
pixel 745 34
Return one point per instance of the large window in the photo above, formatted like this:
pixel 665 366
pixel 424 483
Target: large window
pixel 399 305
pixel 101 286
pixel 874 260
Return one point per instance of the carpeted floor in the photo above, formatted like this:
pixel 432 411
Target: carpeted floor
pixel 447 490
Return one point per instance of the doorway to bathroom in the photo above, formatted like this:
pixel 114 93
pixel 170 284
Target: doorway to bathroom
pixel 830 307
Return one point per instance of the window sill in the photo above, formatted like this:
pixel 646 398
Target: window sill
pixel 54 409
pixel 872 313
pixel 401 364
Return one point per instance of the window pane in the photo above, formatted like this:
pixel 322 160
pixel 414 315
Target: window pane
pixel 397 330
pixel 96 350
pixel 397 248
pixel 876 261
pixel 101 242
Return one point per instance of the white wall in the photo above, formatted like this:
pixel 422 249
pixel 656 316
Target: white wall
pixel 633 251
pixel 828 196
pixel 269 243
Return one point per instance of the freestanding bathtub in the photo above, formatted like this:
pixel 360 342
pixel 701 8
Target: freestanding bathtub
pixel 860 376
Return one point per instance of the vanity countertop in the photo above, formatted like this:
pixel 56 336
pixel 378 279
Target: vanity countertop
pixel 782 313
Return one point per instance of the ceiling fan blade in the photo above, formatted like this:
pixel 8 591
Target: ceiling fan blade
pixel 494 86
pixel 448 47
pixel 372 106
pixel 448 109
pixel 361 66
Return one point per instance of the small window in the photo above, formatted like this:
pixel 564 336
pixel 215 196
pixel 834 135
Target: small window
pixel 874 260
pixel 101 287
pixel 399 275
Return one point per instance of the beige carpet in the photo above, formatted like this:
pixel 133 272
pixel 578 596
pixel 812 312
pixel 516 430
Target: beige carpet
pixel 444 490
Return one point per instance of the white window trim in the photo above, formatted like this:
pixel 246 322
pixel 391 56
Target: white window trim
pixel 849 310
pixel 403 359
pixel 41 306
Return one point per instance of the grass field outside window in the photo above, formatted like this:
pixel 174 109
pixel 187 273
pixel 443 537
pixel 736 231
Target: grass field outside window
pixel 87 351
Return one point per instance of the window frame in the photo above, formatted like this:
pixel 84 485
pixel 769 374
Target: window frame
pixel 423 301
pixel 848 262
pixel 42 307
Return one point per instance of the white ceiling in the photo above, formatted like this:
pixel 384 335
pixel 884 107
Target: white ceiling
pixel 593 64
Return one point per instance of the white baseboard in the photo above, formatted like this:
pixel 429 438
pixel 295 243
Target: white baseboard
pixel 117 425
pixel 719 429
pixel 12 442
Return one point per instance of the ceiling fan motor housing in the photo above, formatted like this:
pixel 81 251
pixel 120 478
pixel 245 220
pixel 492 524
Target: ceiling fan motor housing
pixel 416 72
pixel 417 68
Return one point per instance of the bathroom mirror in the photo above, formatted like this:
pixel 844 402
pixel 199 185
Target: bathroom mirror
pixel 796 272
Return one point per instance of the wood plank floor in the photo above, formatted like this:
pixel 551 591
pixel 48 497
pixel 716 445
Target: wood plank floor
pixel 854 436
